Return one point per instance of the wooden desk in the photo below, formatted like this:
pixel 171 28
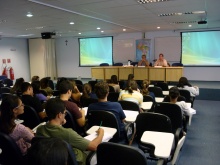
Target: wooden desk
pixel 140 73
pixel 162 141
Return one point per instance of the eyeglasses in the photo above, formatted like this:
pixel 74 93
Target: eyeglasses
pixel 19 106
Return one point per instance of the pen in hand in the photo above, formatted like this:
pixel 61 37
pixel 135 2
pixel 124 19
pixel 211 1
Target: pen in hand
pixel 100 125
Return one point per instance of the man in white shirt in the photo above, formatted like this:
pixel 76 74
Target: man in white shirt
pixel 161 61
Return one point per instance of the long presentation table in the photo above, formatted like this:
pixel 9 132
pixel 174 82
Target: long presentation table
pixel 140 73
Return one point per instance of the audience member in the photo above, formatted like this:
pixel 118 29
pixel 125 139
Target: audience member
pixel 161 61
pixel 44 85
pixel 16 89
pixel 131 93
pixel 48 151
pixel 143 61
pixel 37 92
pixel 75 93
pixel 55 109
pixel 145 91
pixel 114 83
pixel 184 84
pixel 65 93
pixel 102 90
pixel 35 78
pixel 11 107
pixel 29 99
pixel 59 81
pixel 87 92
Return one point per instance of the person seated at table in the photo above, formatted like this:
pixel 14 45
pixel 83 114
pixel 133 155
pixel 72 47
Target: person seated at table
pixel 130 78
pixel 65 93
pixel 75 97
pixel 184 84
pixel 131 93
pixel 49 151
pixel 143 61
pixel 145 91
pixel 44 85
pixel 161 61
pixel 87 92
pixel 29 99
pixel 16 89
pixel 114 83
pixel 56 110
pixel 102 90
pixel 11 107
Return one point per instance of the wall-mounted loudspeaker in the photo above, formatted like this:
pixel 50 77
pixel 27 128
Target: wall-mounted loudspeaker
pixel 46 35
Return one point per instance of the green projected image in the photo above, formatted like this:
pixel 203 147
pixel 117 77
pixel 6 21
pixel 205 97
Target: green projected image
pixel 201 48
pixel 94 51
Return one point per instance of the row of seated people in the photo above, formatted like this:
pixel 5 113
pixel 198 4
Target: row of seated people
pixel 57 118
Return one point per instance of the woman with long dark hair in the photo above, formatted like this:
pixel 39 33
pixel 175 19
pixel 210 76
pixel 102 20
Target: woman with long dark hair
pixel 184 84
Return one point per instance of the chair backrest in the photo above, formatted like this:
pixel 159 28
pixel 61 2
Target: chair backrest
pixel 111 88
pixel 158 92
pixel 70 123
pixel 30 117
pixel 173 111
pixel 177 64
pixel 113 96
pixel 118 64
pixel 104 64
pixel 180 98
pixel 78 82
pixel 10 153
pixel 152 122
pixel 121 84
pixel 119 155
pixel 86 101
pixel 186 94
pixel 148 98
pixel 8 82
pixel 163 86
pixel 3 95
pixel 5 90
pixel 108 120
pixel 129 105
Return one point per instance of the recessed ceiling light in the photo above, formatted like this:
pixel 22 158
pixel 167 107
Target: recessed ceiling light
pixel 199 12
pixel 150 1
pixel 71 23
pixel 29 14
pixel 79 33
pixel 102 31
pixel 158 27
pixel 98 28
pixel 124 30
pixel 25 35
pixel 190 25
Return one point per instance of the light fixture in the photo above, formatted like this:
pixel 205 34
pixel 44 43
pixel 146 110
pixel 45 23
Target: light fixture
pixel 151 1
pixel 183 22
pixel 124 30
pixel 190 25
pixel 71 23
pixel 98 28
pixel 102 31
pixel 29 14
pixel 79 33
pixel 158 27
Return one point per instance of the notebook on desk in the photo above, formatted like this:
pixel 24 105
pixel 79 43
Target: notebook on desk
pixel 107 136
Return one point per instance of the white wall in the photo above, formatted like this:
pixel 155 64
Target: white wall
pixel 17 51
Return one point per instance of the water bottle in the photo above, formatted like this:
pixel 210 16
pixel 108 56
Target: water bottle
pixel 129 63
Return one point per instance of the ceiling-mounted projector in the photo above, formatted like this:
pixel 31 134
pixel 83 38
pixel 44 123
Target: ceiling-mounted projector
pixel 202 22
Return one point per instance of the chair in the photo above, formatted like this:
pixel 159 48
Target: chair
pixel 163 86
pixel 10 153
pixel 5 90
pixel 180 98
pixel 187 96
pixel 134 63
pixel 128 105
pixel 174 112
pixel 86 101
pixel 30 117
pixel 8 82
pixel 177 64
pixel 108 120
pixel 157 91
pixel 111 88
pixel 104 64
pixel 118 64
pixel 148 98
pixel 70 123
pixel 121 84
pixel 119 155
pixel 113 96
pixel 151 122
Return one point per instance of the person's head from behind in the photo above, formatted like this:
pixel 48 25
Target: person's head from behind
pixel 131 85
pixel 26 88
pixel 114 79
pixel 145 84
pixel 66 87
pixel 36 86
pixel 35 78
pixel 11 107
pixel 59 81
pixel 174 93
pixel 55 108
pixel 44 83
pixel 101 89
pixel 48 151
pixel 87 89
pixel 161 56
pixel 18 83
pixel 183 81
pixel 130 77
